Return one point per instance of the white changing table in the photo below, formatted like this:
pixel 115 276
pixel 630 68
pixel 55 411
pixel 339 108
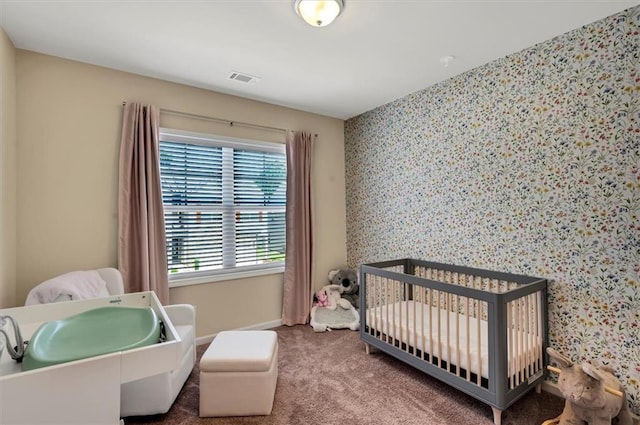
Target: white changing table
pixel 85 391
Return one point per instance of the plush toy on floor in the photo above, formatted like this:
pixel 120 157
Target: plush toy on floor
pixel 594 396
pixel 348 280
pixel 330 297
pixel 330 311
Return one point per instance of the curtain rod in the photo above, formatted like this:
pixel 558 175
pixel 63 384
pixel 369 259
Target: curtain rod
pixel 221 120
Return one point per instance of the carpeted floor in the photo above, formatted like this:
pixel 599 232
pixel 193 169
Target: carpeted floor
pixel 327 378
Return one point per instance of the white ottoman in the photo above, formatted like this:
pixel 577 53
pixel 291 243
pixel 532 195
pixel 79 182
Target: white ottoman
pixel 238 374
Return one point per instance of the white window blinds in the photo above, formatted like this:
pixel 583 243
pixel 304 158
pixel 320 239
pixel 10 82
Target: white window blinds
pixel 224 202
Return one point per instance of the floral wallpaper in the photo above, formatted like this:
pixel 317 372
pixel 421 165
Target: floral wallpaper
pixel 528 164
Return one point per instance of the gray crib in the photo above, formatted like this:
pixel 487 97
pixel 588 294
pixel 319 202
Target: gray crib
pixel 480 331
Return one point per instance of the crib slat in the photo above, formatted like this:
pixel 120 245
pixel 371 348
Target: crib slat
pixel 539 330
pixel 394 337
pixel 432 300
pixel 398 301
pixel 444 299
pixel 431 334
pixel 523 352
pixel 397 311
pixel 370 310
pixel 468 332
pixel 388 300
pixel 415 326
pixel 527 358
pixel 448 319
pixel 518 347
pixel 376 305
pixel 373 305
pixel 522 338
pixel 479 356
pixel 386 309
pixel 422 316
pixel 479 314
pixel 422 293
pixel 406 320
pixel 436 325
pixel 421 332
pixel 404 327
pixel 525 338
pixel 379 307
pixel 426 297
pixel 510 367
pixel 515 343
pixel 454 280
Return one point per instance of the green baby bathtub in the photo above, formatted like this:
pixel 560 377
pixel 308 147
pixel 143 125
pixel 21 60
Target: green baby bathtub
pixel 91 333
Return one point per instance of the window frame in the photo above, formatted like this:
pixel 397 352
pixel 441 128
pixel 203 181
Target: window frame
pixel 223 274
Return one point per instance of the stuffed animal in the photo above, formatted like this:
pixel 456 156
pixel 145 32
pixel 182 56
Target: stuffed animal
pixel 329 297
pixel 589 394
pixel 348 280
pixel 321 298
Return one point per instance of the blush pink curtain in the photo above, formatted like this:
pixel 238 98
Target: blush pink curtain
pixel 299 265
pixel 142 257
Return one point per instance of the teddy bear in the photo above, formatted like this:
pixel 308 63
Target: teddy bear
pixel 347 279
pixel 329 296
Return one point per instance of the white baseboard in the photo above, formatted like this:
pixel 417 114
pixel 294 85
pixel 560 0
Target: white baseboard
pixel 551 388
pixel 260 326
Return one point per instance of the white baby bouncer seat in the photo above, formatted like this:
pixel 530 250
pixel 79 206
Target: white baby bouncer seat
pixel 148 396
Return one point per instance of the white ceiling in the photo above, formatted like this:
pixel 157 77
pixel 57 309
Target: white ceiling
pixel 375 52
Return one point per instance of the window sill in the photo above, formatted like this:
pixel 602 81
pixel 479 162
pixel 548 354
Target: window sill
pixel 199 280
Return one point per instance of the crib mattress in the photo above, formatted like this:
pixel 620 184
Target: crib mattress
pixel 451 337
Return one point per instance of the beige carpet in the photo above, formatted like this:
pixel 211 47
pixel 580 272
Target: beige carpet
pixel 326 378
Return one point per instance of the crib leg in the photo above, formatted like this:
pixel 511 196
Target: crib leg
pixel 497 415
pixel 538 387
pixel 367 348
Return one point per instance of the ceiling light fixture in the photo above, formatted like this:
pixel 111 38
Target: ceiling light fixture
pixel 446 60
pixel 319 13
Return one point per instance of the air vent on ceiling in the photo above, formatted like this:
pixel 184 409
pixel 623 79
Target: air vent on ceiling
pixel 243 78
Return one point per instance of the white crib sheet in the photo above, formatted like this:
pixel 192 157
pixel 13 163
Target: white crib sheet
pixel 466 345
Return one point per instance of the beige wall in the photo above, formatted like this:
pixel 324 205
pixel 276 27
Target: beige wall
pixel 69 119
pixel 7 172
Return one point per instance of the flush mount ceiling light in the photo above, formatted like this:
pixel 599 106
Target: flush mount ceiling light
pixel 319 13
pixel 446 60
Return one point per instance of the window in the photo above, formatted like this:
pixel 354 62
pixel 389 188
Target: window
pixel 224 204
